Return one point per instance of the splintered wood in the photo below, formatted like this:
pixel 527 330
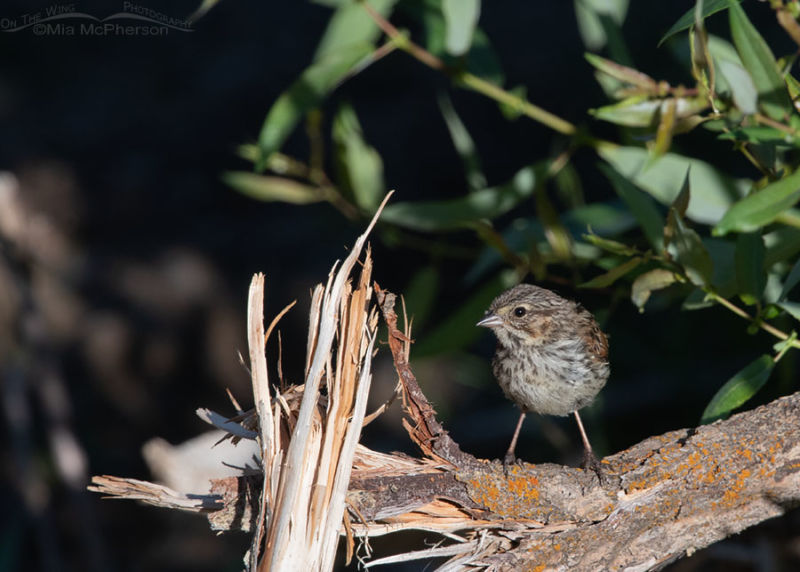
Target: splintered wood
pixel 306 479
pixel 308 438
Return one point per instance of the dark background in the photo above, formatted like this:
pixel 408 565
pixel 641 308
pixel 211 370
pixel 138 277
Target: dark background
pixel 123 298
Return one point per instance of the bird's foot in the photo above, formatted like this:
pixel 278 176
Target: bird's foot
pixel 509 461
pixel 591 463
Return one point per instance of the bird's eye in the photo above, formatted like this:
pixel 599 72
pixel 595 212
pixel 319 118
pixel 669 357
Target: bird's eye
pixel 520 311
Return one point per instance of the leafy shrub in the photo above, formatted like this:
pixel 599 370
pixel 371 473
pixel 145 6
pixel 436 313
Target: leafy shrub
pixel 679 222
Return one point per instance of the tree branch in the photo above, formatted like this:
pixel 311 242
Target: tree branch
pixel 663 498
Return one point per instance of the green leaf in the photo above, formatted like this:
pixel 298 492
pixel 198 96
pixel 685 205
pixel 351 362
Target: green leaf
pixel 712 191
pixel 462 212
pixel 305 94
pixel 760 64
pixel 739 389
pixel 637 111
pixel 723 258
pixel 640 111
pixel 783 244
pixel 666 127
pixel 645 284
pixel 622 73
pixel 750 276
pixel 351 24
pixel 722 50
pixel 761 207
pixel 792 86
pixel 266 188
pixel 686 248
pixel 608 278
pixel 759 135
pixel 791 308
pixel 681 202
pixel 591 14
pixel 609 245
pixel 791 281
pixel 606 219
pixel 481 59
pixel 745 95
pixel 687 20
pixel 703 68
pixel 461 18
pixel 360 165
pixel 781 347
pixel 462 141
pixel 435 27
pixel 640 205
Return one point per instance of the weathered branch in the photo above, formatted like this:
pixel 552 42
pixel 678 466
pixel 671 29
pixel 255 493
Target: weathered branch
pixel 666 496
pixel 658 501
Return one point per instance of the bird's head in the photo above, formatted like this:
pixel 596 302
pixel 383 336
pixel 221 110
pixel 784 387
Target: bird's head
pixel 524 314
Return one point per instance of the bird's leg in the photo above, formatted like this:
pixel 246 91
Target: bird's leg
pixel 589 459
pixel 510 458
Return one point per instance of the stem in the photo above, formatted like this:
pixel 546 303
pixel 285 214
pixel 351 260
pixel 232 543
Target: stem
pixel 402 42
pixel 493 238
pixel 470 80
pixel 790 217
pixel 763 119
pixel 379 53
pixel 527 108
pixel 769 328
pixel 785 347
pixel 753 160
pixel 335 198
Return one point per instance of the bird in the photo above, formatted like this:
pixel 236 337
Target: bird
pixel 551 356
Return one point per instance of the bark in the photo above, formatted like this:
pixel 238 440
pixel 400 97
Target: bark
pixel 663 498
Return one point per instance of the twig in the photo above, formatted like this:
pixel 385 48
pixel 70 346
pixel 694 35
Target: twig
pixel 470 80
pixel 767 327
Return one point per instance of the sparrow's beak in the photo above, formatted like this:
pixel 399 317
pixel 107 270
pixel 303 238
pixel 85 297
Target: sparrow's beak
pixel 490 321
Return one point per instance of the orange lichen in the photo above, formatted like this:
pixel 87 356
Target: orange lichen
pixel 763 472
pixel 517 493
pixel 637 486
pixel 731 496
pixel 524 487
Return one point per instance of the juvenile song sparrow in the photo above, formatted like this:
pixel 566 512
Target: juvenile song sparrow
pixel 551 356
